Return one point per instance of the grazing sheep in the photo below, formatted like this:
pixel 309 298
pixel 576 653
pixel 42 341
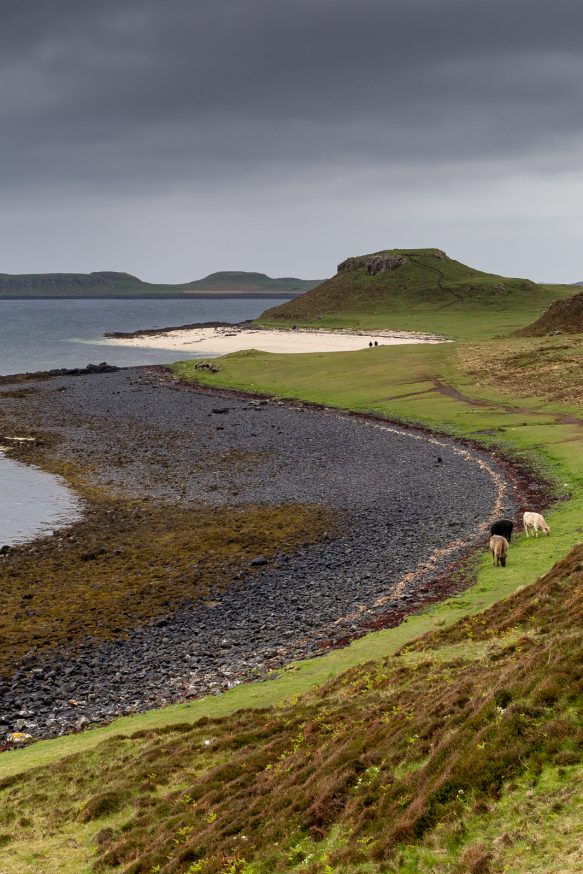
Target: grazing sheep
pixel 503 527
pixel 535 522
pixel 499 549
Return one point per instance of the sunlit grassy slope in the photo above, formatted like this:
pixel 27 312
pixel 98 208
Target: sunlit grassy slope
pixel 428 292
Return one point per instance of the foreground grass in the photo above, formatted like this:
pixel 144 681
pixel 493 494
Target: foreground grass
pixel 398 764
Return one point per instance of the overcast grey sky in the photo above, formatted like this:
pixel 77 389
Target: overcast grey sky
pixel 178 137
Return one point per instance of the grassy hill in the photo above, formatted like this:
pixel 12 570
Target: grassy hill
pixel 562 317
pixel 420 290
pixel 239 280
pixel 111 284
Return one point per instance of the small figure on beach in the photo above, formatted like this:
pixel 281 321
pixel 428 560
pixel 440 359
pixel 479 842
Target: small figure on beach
pixel 370 344
pixel 376 342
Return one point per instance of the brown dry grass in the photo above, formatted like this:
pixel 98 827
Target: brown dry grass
pixel 549 368
pixel 562 317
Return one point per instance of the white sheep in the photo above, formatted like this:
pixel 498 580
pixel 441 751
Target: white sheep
pixel 536 523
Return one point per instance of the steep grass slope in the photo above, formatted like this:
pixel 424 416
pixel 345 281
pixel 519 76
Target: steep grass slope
pixel 417 289
pixel 402 764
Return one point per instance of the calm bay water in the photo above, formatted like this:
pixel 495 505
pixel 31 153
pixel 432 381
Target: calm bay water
pixel 32 502
pixel 46 334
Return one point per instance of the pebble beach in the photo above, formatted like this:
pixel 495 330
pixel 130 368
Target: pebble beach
pixel 403 506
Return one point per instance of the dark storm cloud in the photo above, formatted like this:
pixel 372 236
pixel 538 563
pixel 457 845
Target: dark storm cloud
pixel 149 93
pixel 179 137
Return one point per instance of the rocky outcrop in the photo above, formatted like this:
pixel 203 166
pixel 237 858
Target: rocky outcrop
pixel 379 262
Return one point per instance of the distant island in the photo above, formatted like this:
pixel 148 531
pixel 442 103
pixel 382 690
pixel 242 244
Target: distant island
pixel 106 283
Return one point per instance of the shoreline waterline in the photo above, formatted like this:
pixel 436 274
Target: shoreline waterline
pixel 222 340
pixel 35 503
pixel 41 335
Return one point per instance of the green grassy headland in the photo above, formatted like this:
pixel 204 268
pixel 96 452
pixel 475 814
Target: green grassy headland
pixel 426 292
pixel 108 283
pixel 452 743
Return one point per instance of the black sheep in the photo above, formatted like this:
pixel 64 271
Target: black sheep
pixel 503 527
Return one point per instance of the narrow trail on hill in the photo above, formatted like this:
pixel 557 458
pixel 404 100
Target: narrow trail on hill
pixel 451 392
pixel 440 279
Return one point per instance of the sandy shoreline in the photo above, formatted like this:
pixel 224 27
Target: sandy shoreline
pixel 222 340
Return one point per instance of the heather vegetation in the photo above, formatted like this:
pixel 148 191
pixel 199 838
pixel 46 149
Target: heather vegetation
pixel 400 764
pixel 562 317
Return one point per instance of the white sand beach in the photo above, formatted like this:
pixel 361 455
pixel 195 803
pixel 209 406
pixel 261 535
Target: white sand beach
pixel 220 341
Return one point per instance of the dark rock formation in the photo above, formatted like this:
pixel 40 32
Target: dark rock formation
pixel 373 264
pixel 103 367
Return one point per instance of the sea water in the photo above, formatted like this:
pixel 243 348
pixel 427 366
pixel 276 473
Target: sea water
pixel 48 334
pixel 32 502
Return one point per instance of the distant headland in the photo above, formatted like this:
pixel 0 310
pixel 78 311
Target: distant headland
pixel 107 283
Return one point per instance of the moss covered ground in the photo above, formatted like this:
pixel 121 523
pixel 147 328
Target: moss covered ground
pixel 127 563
